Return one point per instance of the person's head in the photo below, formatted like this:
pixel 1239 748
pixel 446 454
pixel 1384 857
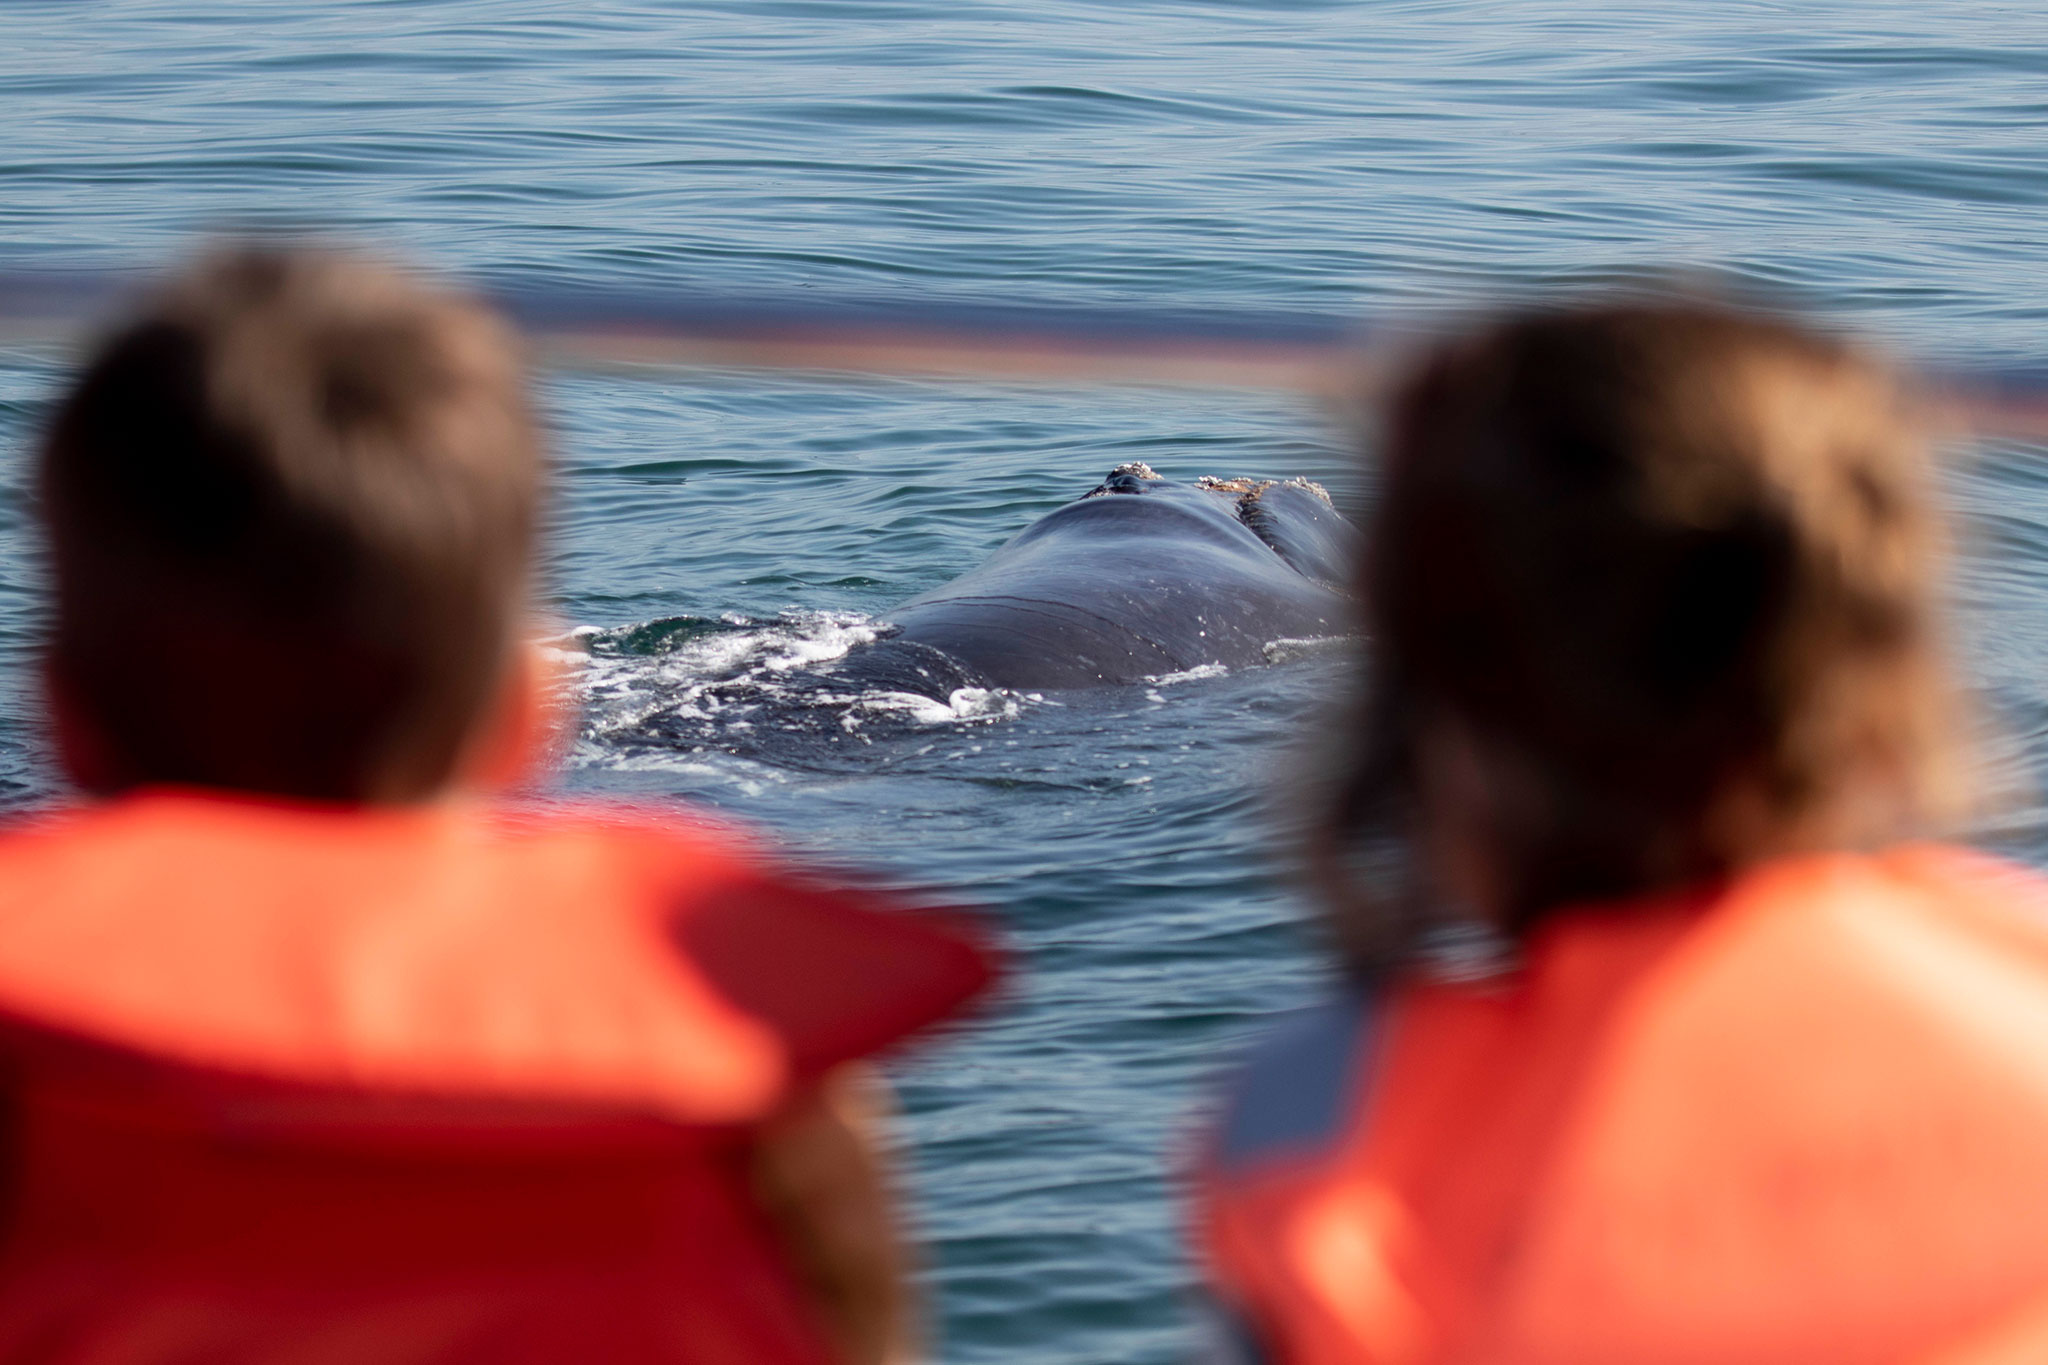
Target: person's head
pixel 291 515
pixel 1650 593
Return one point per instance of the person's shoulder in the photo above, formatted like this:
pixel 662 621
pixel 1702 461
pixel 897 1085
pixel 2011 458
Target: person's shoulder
pixel 1999 905
pixel 1981 878
pixel 639 956
pixel 838 967
pixel 1293 1093
pixel 1947 891
pixel 619 830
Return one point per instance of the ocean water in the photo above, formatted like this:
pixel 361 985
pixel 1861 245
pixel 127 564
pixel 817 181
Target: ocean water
pixel 1884 163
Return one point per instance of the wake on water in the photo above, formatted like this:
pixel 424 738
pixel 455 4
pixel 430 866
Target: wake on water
pixel 691 688
pixel 750 688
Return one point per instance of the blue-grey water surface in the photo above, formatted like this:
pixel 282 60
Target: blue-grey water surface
pixel 1883 161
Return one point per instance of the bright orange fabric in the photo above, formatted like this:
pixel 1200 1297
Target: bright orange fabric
pixel 296 1084
pixel 1801 1117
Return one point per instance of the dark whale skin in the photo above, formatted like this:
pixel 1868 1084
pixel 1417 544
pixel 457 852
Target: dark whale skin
pixel 1142 577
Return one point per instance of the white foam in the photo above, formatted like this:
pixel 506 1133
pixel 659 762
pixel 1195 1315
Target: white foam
pixel 620 691
pixel 1195 674
pixel 750 780
pixel 1314 647
pixel 718 680
pixel 563 658
pixel 965 704
pixel 829 642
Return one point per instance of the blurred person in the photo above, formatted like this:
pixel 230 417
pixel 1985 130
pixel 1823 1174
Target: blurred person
pixel 1663 1038
pixel 317 1050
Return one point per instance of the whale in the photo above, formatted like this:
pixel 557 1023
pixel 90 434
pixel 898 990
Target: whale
pixel 1142 577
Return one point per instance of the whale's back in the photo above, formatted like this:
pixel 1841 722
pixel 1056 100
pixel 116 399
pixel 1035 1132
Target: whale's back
pixel 1143 577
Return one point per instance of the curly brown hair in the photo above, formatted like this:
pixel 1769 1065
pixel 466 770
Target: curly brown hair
pixel 1669 570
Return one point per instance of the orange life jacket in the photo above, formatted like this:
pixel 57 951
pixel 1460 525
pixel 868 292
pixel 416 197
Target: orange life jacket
pixel 1801 1117
pixel 409 1085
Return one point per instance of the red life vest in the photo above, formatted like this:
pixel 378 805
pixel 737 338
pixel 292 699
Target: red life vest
pixel 1801 1117
pixel 292 1084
